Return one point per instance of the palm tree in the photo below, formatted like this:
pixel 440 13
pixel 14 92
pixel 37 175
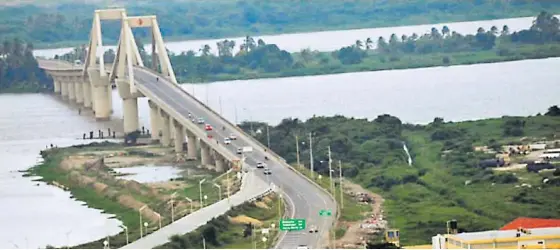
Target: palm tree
pixel 505 30
pixel 359 44
pixel 393 41
pixel 248 43
pixel 445 30
pixel 414 36
pixel 480 30
pixel 369 43
pixel 205 50
pixel 494 30
pixel 434 33
pixel 404 38
pixel 261 43
pixel 381 44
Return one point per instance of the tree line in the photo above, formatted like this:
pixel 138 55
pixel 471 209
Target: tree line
pixel 19 71
pixel 60 22
pixel 254 58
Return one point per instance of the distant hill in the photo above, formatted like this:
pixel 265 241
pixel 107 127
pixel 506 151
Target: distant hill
pixel 65 22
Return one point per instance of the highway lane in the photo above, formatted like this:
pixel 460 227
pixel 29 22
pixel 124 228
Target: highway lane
pixel 306 197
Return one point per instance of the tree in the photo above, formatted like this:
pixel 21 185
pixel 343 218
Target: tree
pixel 480 30
pixel 359 44
pixel 369 43
pixel 306 54
pixel 553 111
pixel 505 30
pixel 248 44
pixel 445 31
pixel 494 30
pixel 205 50
pixel 382 44
pixel 434 33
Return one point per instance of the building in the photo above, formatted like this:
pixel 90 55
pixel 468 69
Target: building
pixel 537 238
pixel 531 223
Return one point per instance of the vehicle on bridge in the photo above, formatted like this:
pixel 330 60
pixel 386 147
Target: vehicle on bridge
pixel 208 127
pixel 200 120
pixel 313 229
pixel 260 165
pixel 232 137
pixel 267 171
pixel 302 247
pixel 77 62
pixel 239 151
pixel 227 141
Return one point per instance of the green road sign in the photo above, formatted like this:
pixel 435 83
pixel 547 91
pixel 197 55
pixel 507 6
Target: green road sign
pixel 292 224
pixel 325 212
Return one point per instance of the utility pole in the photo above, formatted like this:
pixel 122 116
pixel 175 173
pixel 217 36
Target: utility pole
pixel 311 153
pixel 297 151
pixel 267 136
pixel 340 181
pixel 330 171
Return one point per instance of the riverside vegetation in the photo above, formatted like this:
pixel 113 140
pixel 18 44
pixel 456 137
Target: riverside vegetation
pixel 50 23
pixel 256 59
pixel 420 198
pixel 19 71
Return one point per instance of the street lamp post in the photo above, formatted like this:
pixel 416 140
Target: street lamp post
pixel 191 202
pixel 140 212
pixel 331 171
pixel 172 201
pixel 297 151
pixel 311 154
pixel 267 136
pixel 125 231
pixel 200 192
pixel 203 242
pixel 146 227
pixel 340 180
pixel 159 218
pixel 219 191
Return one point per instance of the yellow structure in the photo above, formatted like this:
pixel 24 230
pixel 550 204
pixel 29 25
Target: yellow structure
pixel 538 238
pixel 393 236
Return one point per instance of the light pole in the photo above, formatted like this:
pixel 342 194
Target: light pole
pixel 140 212
pixel 203 242
pixel 68 239
pixel 267 136
pixel 297 151
pixel 191 202
pixel 146 227
pixel 331 171
pixel 126 232
pixel 340 180
pixel 264 239
pixel 105 244
pixel 311 153
pixel 159 218
pixel 172 201
pixel 219 191
pixel 200 192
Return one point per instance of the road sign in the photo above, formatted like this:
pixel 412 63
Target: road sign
pixel 325 212
pixel 292 224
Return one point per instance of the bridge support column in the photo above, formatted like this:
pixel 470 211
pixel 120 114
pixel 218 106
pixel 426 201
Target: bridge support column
pixel 154 121
pixel 57 86
pixel 130 113
pixel 191 146
pixel 205 156
pixel 101 97
pixel 220 163
pixel 71 90
pixel 78 85
pixel 165 129
pixel 64 89
pixel 179 136
pixel 86 88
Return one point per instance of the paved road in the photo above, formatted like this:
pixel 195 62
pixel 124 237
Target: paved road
pixel 252 187
pixel 304 198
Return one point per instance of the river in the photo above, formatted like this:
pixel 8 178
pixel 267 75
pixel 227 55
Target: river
pixel 328 40
pixel 34 216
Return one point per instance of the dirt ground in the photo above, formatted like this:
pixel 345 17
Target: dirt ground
pixel 354 234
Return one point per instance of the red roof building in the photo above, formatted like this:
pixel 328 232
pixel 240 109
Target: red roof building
pixel 529 223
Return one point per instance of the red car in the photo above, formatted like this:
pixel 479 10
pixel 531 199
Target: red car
pixel 208 127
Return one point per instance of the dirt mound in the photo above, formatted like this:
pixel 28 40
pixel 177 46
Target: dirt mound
pixel 130 202
pixel 80 179
pixel 74 162
pixel 261 204
pixel 99 187
pixel 243 219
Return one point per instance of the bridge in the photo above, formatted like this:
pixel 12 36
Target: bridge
pixel 173 118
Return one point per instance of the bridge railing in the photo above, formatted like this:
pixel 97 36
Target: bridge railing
pixel 254 141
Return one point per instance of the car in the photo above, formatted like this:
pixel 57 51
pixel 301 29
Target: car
pixel 267 171
pixel 313 229
pixel 239 151
pixel 232 137
pixel 200 120
pixel 227 141
pixel 302 247
pixel 260 165
pixel 208 127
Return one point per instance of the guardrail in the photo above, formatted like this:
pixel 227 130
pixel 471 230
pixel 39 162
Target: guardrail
pixel 258 143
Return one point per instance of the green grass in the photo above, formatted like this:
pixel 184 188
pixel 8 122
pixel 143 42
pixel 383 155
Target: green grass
pixel 420 210
pixel 50 172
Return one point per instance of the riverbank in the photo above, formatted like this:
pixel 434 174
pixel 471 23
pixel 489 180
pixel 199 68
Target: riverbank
pixel 120 180
pixel 448 178
pixel 376 62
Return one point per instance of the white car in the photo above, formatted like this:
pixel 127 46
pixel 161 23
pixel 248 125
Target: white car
pixel 267 171
pixel 260 165
pixel 227 141
pixel 239 151
pixel 313 229
pixel 302 247
pixel 232 137
pixel 200 120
